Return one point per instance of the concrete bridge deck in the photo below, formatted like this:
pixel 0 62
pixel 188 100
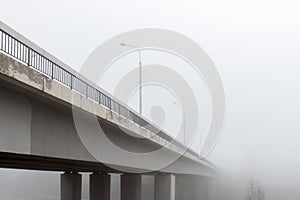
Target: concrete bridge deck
pixel 38 130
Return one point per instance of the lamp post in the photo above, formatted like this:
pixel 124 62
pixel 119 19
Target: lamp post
pixel 184 129
pixel 140 72
pixel 183 125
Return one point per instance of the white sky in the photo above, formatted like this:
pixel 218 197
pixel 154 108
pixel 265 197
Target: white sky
pixel 254 44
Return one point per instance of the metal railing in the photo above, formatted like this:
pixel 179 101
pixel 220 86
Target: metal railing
pixel 20 51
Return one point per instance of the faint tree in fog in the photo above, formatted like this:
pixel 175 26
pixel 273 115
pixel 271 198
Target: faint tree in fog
pixel 255 191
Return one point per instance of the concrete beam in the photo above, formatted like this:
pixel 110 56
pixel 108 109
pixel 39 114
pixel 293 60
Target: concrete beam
pixel 70 186
pixel 131 187
pixel 164 187
pixel 100 186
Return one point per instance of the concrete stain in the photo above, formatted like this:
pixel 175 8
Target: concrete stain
pixel 3 64
pixel 8 65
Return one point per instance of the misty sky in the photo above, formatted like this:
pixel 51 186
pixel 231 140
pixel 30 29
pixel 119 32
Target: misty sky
pixel 254 44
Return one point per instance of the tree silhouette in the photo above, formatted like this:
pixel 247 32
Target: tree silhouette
pixel 255 191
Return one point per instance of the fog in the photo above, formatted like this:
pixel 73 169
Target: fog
pixel 254 45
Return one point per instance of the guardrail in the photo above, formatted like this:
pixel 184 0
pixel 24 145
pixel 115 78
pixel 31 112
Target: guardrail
pixel 20 51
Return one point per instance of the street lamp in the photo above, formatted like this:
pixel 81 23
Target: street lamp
pixel 140 72
pixel 175 103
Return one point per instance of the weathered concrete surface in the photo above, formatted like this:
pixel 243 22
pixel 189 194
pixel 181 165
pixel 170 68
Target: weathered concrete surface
pixel 53 132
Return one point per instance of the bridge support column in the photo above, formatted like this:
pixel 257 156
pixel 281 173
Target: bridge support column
pixel 164 187
pixel 193 187
pixel 131 187
pixel 99 186
pixel 70 186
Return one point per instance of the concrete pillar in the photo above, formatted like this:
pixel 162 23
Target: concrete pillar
pixel 131 187
pixel 70 186
pixel 193 187
pixel 164 187
pixel 115 187
pixel 148 187
pixel 99 186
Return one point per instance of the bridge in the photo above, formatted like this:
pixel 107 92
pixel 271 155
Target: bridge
pixel 39 94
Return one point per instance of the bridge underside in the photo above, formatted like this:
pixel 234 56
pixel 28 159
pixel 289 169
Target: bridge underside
pixel 32 162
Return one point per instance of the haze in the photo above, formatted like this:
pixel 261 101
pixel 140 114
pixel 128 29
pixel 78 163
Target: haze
pixel 255 46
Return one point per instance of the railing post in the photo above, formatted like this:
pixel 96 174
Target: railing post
pixel 71 82
pixel 86 89
pixel 52 70
pixel 1 40
pixel 28 58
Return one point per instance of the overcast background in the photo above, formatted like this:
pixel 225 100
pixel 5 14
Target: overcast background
pixel 255 46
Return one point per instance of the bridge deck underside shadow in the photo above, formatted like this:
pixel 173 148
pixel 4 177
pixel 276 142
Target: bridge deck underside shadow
pixel 32 162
